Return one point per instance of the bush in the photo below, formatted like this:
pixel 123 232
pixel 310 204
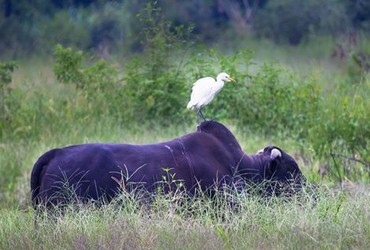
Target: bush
pixel 6 70
pixel 155 87
pixel 277 102
pixel 342 131
pixel 97 81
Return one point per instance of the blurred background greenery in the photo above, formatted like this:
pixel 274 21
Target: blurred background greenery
pixel 29 27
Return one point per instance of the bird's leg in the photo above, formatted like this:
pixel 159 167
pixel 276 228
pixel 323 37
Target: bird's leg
pixel 204 118
pixel 200 115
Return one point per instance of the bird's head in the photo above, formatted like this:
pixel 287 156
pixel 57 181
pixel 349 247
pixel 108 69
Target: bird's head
pixel 224 77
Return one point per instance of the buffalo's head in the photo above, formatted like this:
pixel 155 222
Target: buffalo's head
pixel 280 171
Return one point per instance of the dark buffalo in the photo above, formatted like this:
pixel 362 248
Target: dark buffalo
pixel 210 157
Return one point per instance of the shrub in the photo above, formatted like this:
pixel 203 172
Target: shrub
pixel 6 70
pixel 342 131
pixel 97 81
pixel 277 102
pixel 155 82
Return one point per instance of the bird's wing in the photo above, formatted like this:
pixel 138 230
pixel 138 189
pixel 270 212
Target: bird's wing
pixel 201 91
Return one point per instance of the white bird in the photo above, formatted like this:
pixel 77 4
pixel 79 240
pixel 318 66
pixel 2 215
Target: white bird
pixel 204 90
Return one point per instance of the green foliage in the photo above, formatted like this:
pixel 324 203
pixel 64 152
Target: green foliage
pixel 359 12
pixel 6 70
pixel 155 83
pixel 67 65
pixel 152 95
pixel 343 131
pixel 98 81
pixel 108 26
pixel 293 22
pixel 276 102
pixel 358 67
pixel 154 88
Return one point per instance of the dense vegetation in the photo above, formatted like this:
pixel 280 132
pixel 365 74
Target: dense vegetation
pixel 311 99
pixel 36 26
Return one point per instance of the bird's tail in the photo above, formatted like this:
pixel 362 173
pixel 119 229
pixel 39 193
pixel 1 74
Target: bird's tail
pixel 190 105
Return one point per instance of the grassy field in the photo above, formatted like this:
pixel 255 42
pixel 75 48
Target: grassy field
pixel 337 219
pixel 50 114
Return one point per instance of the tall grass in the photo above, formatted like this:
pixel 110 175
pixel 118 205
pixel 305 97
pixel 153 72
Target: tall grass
pixel 334 219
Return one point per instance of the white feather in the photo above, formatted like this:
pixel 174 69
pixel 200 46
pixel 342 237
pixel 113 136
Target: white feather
pixel 205 89
pixel 202 93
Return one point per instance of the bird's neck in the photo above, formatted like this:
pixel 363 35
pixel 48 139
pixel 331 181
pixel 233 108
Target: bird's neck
pixel 219 85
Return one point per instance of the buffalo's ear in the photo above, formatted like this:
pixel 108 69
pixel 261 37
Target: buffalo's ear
pixel 272 166
pixel 275 153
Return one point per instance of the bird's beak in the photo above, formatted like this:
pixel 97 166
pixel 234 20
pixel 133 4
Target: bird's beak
pixel 231 80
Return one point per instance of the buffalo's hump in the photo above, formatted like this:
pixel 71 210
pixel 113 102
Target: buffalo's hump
pixel 208 157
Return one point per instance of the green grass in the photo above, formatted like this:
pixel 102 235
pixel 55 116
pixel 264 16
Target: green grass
pixel 336 220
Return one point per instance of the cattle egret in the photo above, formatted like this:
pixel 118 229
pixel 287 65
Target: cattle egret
pixel 204 90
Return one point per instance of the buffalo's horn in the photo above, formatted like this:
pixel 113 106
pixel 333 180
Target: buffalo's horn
pixel 275 153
